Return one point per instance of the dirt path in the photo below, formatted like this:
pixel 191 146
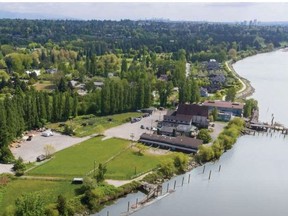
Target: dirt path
pixel 118 183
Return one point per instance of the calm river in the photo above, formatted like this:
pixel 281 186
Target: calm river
pixel 254 177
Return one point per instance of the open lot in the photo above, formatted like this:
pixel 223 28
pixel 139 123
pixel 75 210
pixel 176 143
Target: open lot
pixel 30 150
pixel 126 130
pixel 77 161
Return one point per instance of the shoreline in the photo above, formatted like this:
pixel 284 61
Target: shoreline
pixel 247 89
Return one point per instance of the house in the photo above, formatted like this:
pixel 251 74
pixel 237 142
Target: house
pixel 188 114
pixel 37 72
pixel 212 65
pixel 203 92
pixel 180 143
pixel 234 108
pixel 51 70
pixel 98 84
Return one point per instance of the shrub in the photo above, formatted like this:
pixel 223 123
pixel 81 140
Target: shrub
pixel 204 135
pixel 181 162
pixel 205 153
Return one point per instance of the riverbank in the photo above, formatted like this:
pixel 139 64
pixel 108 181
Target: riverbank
pixel 247 89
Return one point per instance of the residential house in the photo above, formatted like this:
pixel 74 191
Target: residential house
pixel 203 92
pixel 212 65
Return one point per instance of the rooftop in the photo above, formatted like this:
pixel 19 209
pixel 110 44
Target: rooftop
pixel 192 110
pixel 224 104
pixel 176 141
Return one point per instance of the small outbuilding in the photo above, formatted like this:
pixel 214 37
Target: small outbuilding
pixel 77 181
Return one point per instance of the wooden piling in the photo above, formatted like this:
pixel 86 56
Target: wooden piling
pixel 136 202
pixel 107 213
pixel 128 207
pixel 182 180
pixel 174 185
pixel 167 187
pixel 189 178
pixel 219 168
pixel 210 175
pixel 203 169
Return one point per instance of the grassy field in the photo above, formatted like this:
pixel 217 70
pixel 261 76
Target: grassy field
pixel 48 189
pixel 90 124
pixel 44 85
pixel 123 167
pixel 78 160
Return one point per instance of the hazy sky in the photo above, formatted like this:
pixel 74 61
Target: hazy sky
pixel 170 10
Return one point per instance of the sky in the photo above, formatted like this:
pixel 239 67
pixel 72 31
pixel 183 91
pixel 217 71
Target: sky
pixel 188 11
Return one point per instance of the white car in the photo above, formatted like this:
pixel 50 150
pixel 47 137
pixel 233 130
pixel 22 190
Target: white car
pixel 47 133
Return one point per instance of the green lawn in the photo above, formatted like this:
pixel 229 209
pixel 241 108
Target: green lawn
pixel 78 160
pixel 88 125
pixel 123 167
pixel 48 189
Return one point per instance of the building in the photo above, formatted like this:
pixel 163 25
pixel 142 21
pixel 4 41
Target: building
pixel 189 114
pixel 37 72
pixel 212 65
pixel 180 143
pixel 235 108
pixel 204 92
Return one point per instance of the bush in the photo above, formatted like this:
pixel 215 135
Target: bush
pixel 205 153
pixel 19 167
pixel 167 169
pixel 181 162
pixel 204 135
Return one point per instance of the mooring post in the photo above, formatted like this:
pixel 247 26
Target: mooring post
pixel 209 174
pixel 189 178
pixel 182 180
pixel 136 202
pixel 167 187
pixel 107 213
pixel 174 184
pixel 219 168
pixel 203 169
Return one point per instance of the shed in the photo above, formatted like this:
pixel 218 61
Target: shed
pixel 77 181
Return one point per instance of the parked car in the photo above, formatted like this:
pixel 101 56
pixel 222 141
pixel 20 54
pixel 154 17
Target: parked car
pixel 142 126
pixel 147 128
pixel 41 158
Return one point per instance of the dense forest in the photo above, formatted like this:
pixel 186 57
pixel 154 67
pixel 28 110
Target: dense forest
pixel 121 66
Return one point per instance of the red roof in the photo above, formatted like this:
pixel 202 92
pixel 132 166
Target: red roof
pixel 192 110
pixel 224 104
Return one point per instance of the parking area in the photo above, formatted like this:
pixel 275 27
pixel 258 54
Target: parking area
pixel 127 130
pixel 30 150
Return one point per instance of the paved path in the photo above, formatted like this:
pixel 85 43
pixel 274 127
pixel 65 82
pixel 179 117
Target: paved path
pixel 6 168
pixel 118 183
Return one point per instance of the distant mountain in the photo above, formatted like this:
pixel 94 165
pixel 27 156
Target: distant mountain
pixel 16 15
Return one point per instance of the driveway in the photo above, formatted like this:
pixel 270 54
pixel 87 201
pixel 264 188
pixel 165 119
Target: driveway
pixel 126 130
pixel 29 150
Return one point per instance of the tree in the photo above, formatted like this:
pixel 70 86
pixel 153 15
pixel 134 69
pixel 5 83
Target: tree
pixel 232 54
pixel 205 153
pixel 101 173
pixel 19 167
pixel 49 150
pixel 214 113
pixel 181 162
pixel 166 168
pixel 231 94
pixel 62 86
pixel 30 204
pixel 204 136
pixel 250 105
pixel 62 205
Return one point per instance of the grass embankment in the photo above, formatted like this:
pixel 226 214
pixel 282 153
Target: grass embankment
pixel 90 124
pixel 79 160
pixel 224 141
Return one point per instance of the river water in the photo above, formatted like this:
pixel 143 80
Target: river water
pixel 253 179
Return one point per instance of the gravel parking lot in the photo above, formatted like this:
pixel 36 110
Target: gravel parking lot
pixel 6 168
pixel 126 130
pixel 30 150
